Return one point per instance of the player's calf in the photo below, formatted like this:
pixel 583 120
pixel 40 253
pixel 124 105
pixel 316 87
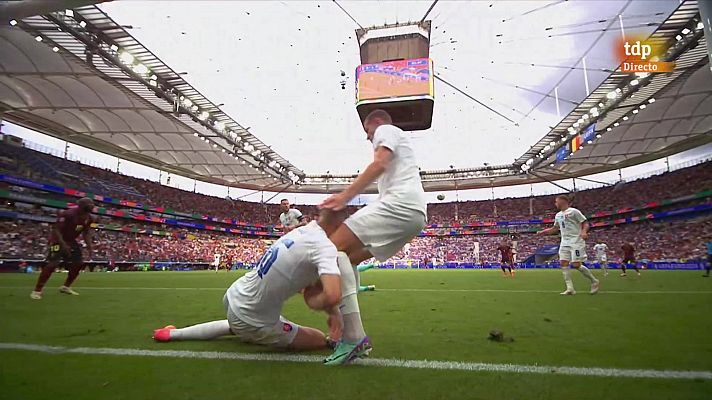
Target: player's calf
pixel 205 331
pixel 309 339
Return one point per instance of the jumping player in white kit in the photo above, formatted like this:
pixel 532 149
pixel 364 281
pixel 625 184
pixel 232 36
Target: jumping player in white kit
pixel 572 252
pixel 253 304
pixel 381 228
pixel 601 257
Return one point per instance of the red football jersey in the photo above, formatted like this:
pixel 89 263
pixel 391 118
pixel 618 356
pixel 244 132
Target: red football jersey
pixel 506 252
pixel 628 251
pixel 70 225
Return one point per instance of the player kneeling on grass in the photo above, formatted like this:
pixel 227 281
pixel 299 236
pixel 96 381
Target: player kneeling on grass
pixel 254 302
pixel 574 231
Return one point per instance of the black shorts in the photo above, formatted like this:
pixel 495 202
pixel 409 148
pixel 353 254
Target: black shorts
pixel 73 258
pixel 629 261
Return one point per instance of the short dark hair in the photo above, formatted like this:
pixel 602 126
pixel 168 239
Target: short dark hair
pixel 379 114
pixel 568 197
pixel 85 201
pixel 287 200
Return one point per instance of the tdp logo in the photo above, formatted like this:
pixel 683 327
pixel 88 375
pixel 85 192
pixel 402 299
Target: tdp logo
pixel 638 49
pixel 642 56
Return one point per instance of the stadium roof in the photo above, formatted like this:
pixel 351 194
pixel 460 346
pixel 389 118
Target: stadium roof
pixel 90 92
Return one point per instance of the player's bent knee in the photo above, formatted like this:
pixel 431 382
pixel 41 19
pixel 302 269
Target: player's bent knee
pixel 345 240
pixel 359 256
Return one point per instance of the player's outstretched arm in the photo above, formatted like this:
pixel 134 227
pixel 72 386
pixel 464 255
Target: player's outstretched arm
pixel 382 157
pixel 549 231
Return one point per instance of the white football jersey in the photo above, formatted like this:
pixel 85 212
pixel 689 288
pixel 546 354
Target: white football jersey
pixel 290 218
pixel 600 249
pixel 292 263
pixel 569 222
pixel 400 183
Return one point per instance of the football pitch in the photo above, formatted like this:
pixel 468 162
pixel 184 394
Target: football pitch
pixel 646 337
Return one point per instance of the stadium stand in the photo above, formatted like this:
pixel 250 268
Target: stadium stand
pixel 144 241
pixel 668 240
pixel 47 168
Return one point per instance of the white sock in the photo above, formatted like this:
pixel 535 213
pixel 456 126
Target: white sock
pixel 587 273
pixel 353 327
pixel 567 278
pixel 204 331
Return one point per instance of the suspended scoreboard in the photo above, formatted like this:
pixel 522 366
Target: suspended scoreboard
pixel 396 74
pixel 404 88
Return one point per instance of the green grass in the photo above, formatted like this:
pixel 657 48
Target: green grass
pixel 447 319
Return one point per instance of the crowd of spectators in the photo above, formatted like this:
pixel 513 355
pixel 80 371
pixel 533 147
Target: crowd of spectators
pixel 194 247
pixel 23 239
pixel 29 240
pixel 676 239
pixel 665 240
pixel 631 194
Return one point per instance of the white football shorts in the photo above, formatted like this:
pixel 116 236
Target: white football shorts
pixel 280 335
pixel 575 253
pixel 385 228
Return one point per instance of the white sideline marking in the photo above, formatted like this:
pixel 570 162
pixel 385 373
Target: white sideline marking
pixel 375 362
pixel 603 291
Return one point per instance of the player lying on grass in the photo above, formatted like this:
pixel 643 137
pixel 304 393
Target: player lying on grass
pixel 254 302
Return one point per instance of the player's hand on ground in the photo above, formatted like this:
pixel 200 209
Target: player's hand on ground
pixel 335 323
pixel 335 202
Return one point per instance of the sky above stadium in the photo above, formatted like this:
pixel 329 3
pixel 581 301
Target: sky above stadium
pixel 276 66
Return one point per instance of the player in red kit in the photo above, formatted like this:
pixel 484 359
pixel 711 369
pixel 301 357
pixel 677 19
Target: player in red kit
pixel 628 258
pixel 507 258
pixel 63 245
